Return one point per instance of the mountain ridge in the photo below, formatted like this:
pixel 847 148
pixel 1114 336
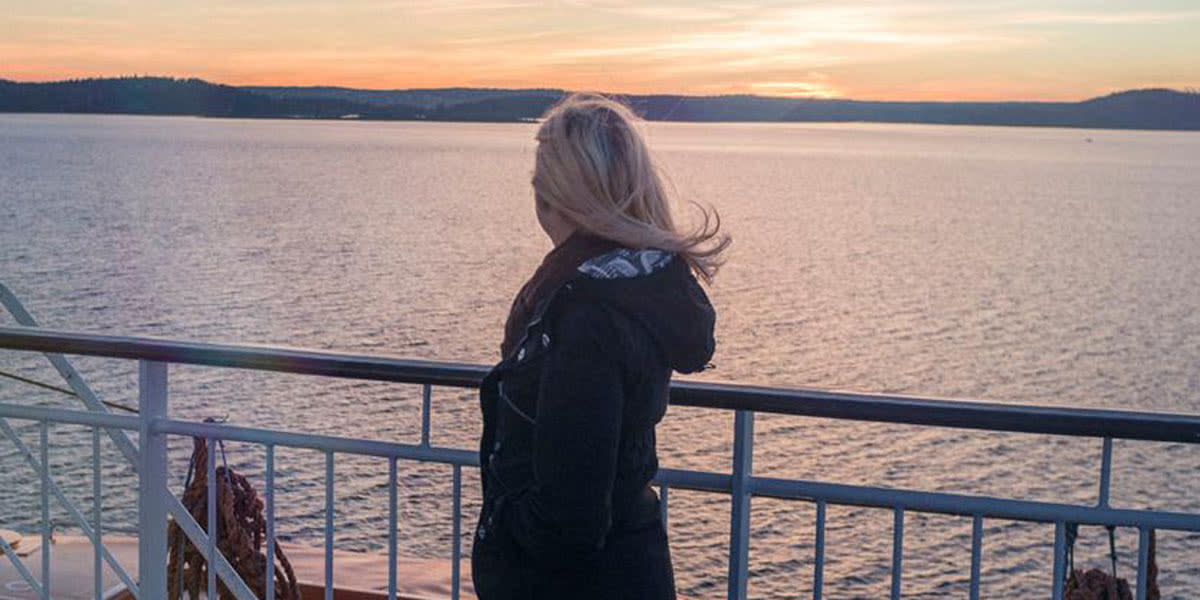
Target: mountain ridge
pixel 1150 108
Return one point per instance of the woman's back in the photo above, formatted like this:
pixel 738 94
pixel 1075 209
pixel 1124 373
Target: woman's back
pixel 568 442
pixel 568 445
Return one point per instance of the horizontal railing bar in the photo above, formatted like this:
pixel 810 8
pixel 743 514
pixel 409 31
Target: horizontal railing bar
pixel 940 412
pixel 696 481
pixel 75 417
pixel 968 506
pixel 325 443
pixel 917 501
pixel 931 502
pixel 242 356
pixel 954 504
pixel 69 374
pixel 913 410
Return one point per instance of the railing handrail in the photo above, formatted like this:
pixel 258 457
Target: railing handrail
pixel 760 486
pixel 903 409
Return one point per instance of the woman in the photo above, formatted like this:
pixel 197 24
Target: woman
pixel 568 445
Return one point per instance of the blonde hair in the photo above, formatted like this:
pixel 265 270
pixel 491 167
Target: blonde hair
pixel 594 168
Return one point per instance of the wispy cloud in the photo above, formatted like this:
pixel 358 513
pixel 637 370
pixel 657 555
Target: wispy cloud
pixel 670 13
pixel 463 6
pixel 494 40
pixel 1103 18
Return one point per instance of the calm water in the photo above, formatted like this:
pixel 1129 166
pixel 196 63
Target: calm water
pixel 1024 265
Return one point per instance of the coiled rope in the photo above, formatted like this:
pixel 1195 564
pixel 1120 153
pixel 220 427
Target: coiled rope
pixel 241 528
pixel 1095 584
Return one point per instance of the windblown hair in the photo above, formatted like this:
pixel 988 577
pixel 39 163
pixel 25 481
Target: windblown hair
pixel 594 168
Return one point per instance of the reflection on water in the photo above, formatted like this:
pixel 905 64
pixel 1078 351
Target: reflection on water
pixel 1008 264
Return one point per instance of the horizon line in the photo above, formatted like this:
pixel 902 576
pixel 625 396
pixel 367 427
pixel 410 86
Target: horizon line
pixel 1183 90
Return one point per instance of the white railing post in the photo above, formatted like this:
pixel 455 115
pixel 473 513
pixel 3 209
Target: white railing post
pixel 1060 560
pixel 1143 564
pixel 897 550
pixel 47 527
pixel 976 553
pixel 1105 472
pixel 739 521
pixel 819 552
pixel 152 480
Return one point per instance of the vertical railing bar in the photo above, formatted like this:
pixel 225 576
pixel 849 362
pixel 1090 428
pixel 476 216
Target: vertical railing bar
pixel 152 481
pixel 392 558
pixel 739 526
pixel 426 405
pixel 97 530
pixel 454 566
pixel 976 554
pixel 210 524
pixel 819 551
pixel 80 519
pixel 1143 562
pixel 1060 535
pixel 44 436
pixel 897 550
pixel 1105 471
pixel 662 503
pixel 329 526
pixel 270 476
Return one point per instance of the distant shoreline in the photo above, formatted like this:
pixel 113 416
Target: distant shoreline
pixel 530 122
pixel 1150 109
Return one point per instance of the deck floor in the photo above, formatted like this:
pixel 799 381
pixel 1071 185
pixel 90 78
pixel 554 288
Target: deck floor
pixel 357 575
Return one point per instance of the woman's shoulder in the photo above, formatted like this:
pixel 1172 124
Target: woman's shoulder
pixel 643 298
pixel 625 263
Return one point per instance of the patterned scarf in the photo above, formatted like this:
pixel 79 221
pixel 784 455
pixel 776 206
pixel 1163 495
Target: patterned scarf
pixel 557 267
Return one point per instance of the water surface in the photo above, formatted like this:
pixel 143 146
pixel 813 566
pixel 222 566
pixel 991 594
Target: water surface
pixel 1022 265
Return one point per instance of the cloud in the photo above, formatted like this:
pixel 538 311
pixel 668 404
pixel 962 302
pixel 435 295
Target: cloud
pixel 492 40
pixel 671 13
pixel 462 6
pixel 1103 18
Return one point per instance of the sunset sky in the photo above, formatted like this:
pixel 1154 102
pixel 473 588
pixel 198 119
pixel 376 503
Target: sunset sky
pixel 962 50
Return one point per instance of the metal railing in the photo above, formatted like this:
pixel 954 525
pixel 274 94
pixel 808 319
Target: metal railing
pixel 156 504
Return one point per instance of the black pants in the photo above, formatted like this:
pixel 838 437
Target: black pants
pixel 635 564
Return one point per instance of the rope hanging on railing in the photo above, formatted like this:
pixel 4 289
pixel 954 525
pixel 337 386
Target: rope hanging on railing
pixel 1095 584
pixel 241 531
pixel 61 390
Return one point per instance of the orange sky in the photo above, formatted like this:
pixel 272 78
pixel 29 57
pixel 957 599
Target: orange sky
pixel 952 50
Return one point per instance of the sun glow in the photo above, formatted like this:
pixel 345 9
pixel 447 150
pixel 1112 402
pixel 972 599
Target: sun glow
pixel 798 89
pixel 1026 49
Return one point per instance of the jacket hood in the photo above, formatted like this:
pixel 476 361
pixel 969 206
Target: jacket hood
pixel 656 289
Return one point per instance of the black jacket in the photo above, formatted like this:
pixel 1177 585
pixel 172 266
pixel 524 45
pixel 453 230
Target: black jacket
pixel 568 445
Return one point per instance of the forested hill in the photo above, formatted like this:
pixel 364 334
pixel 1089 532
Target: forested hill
pixel 1134 109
